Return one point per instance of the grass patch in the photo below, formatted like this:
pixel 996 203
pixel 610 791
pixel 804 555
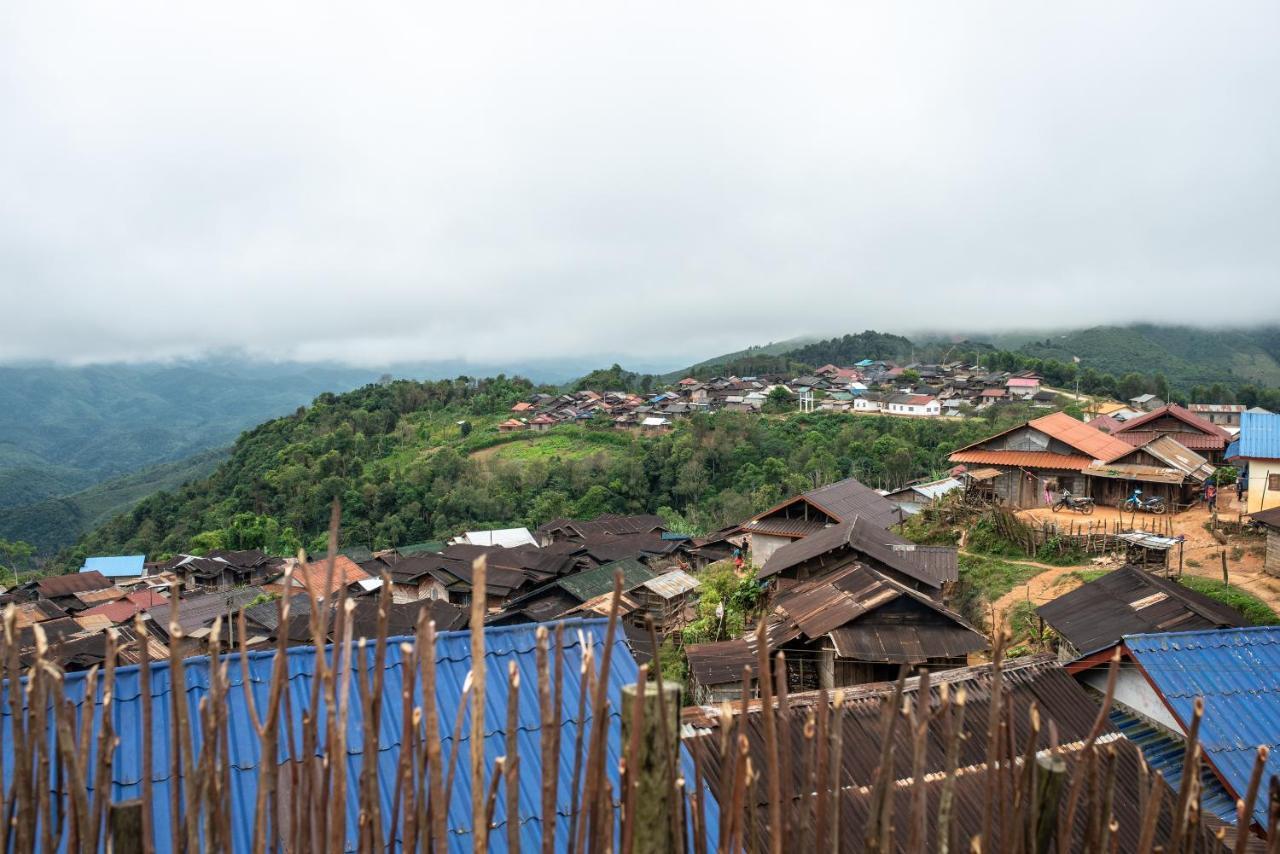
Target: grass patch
pixel 983 580
pixel 1084 576
pixel 565 443
pixel 1253 608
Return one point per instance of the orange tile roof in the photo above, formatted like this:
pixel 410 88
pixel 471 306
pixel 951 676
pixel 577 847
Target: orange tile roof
pixel 1024 459
pixel 313 575
pixel 1082 437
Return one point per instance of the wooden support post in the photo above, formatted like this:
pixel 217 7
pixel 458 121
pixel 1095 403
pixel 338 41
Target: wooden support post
pixel 1051 773
pixel 653 802
pixel 124 825
pixel 1225 579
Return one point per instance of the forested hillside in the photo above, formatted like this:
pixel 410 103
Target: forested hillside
pixel 406 470
pixel 1186 356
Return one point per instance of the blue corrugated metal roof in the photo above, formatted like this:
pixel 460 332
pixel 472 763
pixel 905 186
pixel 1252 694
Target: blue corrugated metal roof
pixel 1165 753
pixel 1237 672
pixel 1259 437
pixel 502 645
pixel 117 566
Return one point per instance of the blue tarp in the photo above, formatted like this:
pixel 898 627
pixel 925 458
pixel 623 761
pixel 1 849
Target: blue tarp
pixel 1237 672
pixel 503 645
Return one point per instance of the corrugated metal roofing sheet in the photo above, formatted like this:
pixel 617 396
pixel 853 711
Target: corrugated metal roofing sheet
pixel 596 582
pixel 1128 601
pixel 1023 459
pixel 1259 436
pixel 671 584
pixel 1237 672
pixel 76 582
pixel 502 645
pixel 1166 753
pixel 847 498
pixel 1135 471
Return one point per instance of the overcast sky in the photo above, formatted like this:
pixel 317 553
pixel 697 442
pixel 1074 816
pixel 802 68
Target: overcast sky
pixel 381 181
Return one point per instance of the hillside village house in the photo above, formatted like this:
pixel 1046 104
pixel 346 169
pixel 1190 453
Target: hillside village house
pixel 1270 519
pixel 850 626
pixel 1161 467
pixel 1041 458
pixel 1190 430
pixel 1257 453
pixel 1023 387
pixel 913 404
pixel 1222 414
pixel 812 511
pixel 1146 403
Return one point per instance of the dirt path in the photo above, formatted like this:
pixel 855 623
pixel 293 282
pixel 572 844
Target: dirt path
pixel 1049 584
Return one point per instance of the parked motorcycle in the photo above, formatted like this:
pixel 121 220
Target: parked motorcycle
pixel 1075 503
pixel 1137 504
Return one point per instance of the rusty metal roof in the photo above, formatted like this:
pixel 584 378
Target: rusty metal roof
pixel 1023 459
pixel 1173 453
pixel 932 565
pixel 847 498
pixel 76 582
pixel 1131 601
pixel 1036 679
pixel 905 644
pixel 719 663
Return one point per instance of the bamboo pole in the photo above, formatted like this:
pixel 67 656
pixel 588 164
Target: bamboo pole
pixel 479 597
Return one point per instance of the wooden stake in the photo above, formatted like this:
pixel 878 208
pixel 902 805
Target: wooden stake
pixel 124 824
pixel 650 773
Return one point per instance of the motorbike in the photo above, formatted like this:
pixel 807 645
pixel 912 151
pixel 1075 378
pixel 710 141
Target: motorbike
pixel 1137 504
pixel 1076 503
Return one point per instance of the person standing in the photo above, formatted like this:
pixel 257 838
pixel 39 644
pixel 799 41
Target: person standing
pixel 1211 496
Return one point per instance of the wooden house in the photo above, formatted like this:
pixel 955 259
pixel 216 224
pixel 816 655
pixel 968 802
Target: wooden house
pixel 811 511
pixel 1041 458
pixel 925 569
pixel 1162 467
pixel 848 627
pixel 1270 520
pixel 1190 430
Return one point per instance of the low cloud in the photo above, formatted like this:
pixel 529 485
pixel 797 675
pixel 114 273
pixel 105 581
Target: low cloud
pixel 383 184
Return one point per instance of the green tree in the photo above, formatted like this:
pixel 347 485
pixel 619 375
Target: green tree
pixel 777 401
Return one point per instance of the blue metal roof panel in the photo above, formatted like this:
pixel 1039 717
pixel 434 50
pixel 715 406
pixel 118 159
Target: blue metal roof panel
pixel 116 566
pixel 503 645
pixel 1237 672
pixel 1259 436
pixel 1165 753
